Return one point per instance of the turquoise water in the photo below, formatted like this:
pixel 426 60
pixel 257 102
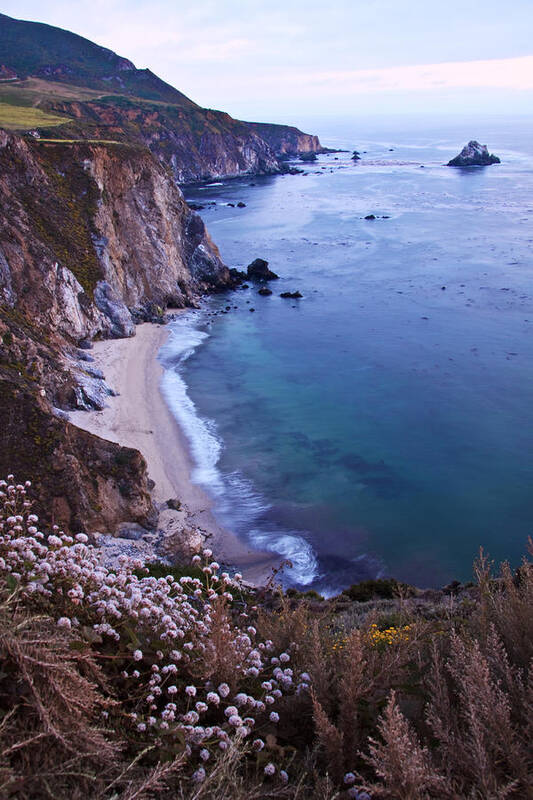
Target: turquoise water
pixel 381 425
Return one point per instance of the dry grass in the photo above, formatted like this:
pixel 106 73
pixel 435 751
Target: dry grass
pixel 411 706
pixel 54 703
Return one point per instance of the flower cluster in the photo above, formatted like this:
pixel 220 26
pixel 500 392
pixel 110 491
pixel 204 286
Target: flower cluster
pixel 388 636
pixel 194 670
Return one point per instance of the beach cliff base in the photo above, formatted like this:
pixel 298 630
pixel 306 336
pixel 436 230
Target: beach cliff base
pixel 137 416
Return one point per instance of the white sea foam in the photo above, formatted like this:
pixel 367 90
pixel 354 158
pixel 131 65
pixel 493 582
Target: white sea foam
pixel 238 505
pixel 201 434
pixel 293 547
pixel 243 505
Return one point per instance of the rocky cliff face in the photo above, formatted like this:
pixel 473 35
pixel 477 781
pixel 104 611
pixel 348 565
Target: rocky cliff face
pixel 92 237
pixel 197 143
pixel 287 141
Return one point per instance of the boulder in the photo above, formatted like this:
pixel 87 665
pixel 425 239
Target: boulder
pixel 291 295
pixel 356 156
pixel 265 292
pixel 240 204
pixel 130 530
pixel 473 154
pixel 370 216
pixel 258 270
pixel 237 274
pixel 308 156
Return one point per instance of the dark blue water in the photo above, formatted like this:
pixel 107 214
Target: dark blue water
pixel 381 425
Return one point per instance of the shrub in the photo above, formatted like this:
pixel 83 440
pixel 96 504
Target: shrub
pixel 383 588
pixel 180 681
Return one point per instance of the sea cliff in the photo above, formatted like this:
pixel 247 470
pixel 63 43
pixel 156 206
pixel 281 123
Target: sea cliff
pixel 93 238
pixel 89 92
pixel 286 140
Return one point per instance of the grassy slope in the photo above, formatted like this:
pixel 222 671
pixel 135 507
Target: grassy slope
pixel 35 91
pixel 20 118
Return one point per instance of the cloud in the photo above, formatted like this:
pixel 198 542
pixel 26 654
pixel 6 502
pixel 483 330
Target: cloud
pixel 502 73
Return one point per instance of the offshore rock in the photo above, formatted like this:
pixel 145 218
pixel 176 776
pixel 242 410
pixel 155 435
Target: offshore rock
pixel 258 270
pixel 474 154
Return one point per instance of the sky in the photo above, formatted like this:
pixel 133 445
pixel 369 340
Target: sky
pixel 286 60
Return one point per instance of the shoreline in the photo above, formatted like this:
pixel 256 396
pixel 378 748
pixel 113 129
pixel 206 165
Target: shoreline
pixel 139 417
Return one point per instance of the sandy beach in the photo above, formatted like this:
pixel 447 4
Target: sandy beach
pixel 139 417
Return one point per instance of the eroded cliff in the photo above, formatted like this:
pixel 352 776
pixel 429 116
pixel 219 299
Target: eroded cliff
pixel 197 143
pixel 93 237
pixel 286 140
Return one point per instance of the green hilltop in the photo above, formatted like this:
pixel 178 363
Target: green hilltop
pixel 39 50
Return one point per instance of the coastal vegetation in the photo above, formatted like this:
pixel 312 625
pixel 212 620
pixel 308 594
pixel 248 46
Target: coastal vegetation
pixel 15 117
pixel 125 682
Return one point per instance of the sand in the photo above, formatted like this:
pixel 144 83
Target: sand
pixel 139 417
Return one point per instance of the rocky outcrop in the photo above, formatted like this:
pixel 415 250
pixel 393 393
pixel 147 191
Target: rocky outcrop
pixel 473 154
pixel 80 481
pixel 286 140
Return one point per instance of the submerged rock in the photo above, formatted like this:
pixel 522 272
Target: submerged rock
pixel 356 156
pixel 265 292
pixel 291 295
pixel 370 216
pixel 259 270
pixel 474 154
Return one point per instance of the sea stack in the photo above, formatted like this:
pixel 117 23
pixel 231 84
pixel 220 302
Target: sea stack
pixel 474 154
pixel 258 270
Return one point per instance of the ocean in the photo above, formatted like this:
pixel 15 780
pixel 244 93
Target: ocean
pixel 381 425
